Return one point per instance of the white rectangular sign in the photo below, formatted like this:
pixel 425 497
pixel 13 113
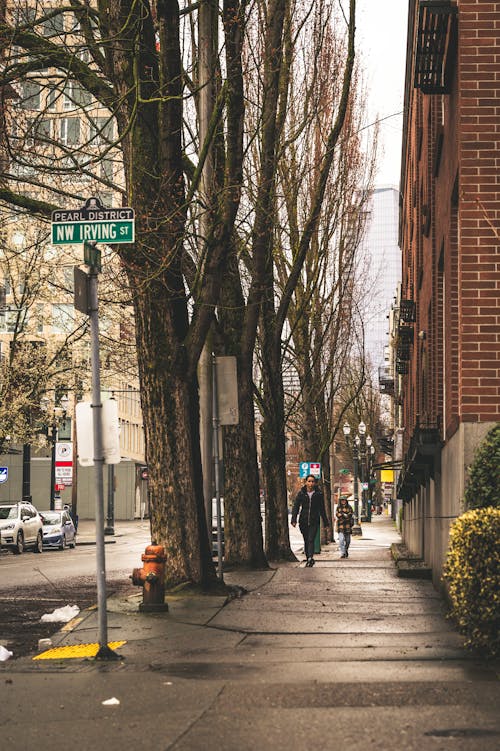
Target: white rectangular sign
pixel 110 433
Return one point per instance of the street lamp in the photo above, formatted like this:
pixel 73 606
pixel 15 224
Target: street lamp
pixel 365 450
pixel 371 459
pixel 354 446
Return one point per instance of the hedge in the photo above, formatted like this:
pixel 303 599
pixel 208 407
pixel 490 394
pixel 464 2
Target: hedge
pixel 483 487
pixel 472 573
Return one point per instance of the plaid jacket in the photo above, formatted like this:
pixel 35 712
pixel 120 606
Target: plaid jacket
pixel 344 523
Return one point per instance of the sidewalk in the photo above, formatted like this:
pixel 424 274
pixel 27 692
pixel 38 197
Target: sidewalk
pixel 345 654
pixel 86 534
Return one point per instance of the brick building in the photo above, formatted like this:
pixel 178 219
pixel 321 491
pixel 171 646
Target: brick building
pixel 448 326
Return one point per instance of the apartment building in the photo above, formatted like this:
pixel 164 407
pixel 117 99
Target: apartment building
pixel 448 317
pixel 58 146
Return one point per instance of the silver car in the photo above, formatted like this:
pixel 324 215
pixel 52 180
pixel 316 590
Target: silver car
pixel 58 529
pixel 20 527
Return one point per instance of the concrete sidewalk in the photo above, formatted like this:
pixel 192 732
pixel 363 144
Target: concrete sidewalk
pixel 343 654
pixel 86 534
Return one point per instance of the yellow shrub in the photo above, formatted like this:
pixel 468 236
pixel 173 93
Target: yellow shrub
pixel 472 572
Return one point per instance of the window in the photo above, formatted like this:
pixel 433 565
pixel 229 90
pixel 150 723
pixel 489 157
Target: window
pixel 39 311
pixel 74 24
pixel 62 318
pixel 106 199
pixel 38 131
pixel 84 55
pixel 68 278
pixel 52 98
pixel 70 131
pixel 107 169
pixel 12 320
pixel 52 26
pixel 75 96
pixel 101 130
pixel 30 96
pixel 24 15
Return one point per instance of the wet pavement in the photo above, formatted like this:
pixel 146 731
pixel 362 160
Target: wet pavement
pixel 342 654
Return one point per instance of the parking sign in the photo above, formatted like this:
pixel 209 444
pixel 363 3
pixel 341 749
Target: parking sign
pixel 309 468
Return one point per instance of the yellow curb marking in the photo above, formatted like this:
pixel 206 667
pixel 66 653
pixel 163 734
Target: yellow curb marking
pixel 75 650
pixel 72 624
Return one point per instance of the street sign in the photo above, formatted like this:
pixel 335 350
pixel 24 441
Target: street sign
pixel 309 468
pixel 227 390
pixel 110 433
pixel 93 223
pixel 63 468
pixel 4 474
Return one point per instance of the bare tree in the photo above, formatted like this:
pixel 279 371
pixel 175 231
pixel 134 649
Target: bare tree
pixel 125 63
pixel 302 251
pixel 323 318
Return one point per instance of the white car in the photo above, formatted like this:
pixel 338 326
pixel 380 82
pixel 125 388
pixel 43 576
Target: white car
pixel 20 527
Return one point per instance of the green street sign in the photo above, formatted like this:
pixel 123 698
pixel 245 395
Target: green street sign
pixel 93 223
pixel 64 233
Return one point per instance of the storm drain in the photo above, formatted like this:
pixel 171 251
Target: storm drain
pixel 75 650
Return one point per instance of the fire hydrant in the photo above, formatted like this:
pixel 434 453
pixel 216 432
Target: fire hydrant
pixel 151 577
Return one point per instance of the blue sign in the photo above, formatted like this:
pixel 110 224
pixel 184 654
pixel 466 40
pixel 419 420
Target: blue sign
pixel 4 473
pixel 309 468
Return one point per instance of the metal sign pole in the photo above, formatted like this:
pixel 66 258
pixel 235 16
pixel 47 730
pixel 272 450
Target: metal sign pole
pixel 215 423
pixel 104 652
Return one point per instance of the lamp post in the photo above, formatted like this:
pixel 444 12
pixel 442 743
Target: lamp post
pixel 371 457
pixel 361 440
pixel 368 461
pixel 354 446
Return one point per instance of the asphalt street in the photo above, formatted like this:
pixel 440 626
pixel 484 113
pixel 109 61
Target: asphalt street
pixel 342 655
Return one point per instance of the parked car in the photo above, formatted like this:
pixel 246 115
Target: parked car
pixel 58 529
pixel 20 527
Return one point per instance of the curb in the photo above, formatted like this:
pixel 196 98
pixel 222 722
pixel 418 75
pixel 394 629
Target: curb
pixel 409 566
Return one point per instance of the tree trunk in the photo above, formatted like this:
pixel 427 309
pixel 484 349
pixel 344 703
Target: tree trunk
pixel 273 441
pixel 242 522
pixel 170 410
pixel 273 464
pixel 242 519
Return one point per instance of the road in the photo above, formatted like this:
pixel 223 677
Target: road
pixel 32 585
pixel 123 553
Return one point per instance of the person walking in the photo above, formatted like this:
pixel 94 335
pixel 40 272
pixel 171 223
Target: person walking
pixel 310 502
pixel 345 521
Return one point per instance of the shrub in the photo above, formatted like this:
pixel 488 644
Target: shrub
pixel 483 488
pixel 472 572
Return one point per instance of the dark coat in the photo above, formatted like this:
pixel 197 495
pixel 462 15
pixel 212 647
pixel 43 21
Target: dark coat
pixel 309 512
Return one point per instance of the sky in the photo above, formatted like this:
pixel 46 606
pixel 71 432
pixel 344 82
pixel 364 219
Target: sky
pixel 381 47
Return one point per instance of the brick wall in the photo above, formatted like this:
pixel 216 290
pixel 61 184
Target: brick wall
pixel 479 258
pixel 450 233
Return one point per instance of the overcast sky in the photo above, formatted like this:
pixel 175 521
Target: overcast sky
pixel 381 44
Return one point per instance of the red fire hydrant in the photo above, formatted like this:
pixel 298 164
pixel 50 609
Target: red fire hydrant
pixel 151 577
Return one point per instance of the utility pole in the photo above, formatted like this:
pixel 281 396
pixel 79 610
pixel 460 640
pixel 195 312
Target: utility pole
pixel 207 35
